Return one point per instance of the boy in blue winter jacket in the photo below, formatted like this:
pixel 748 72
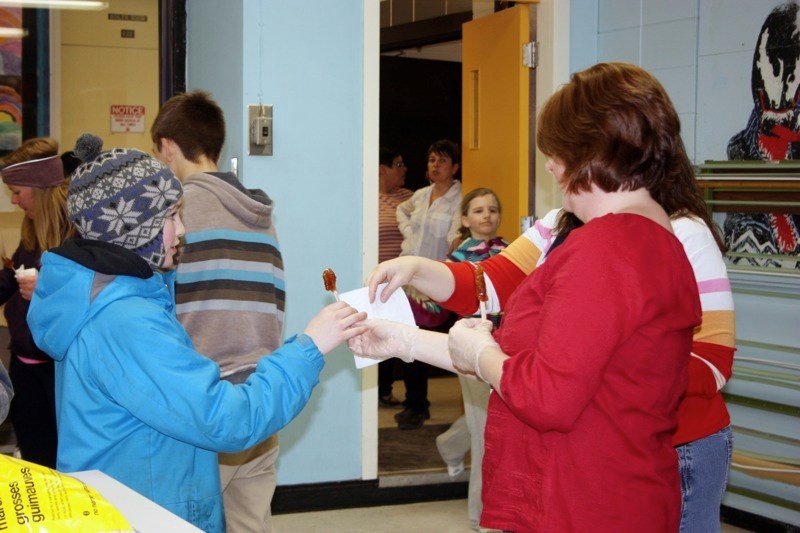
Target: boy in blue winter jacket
pixel 133 397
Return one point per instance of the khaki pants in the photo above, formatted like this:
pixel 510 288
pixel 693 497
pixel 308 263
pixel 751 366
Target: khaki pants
pixel 248 484
pixel 466 433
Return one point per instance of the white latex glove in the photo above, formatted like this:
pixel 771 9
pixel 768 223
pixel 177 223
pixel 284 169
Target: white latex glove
pixel 467 339
pixel 384 339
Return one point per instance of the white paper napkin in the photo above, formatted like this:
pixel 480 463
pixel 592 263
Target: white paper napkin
pixel 395 308
pixel 23 272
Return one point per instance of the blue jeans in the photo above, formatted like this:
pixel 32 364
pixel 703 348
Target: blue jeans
pixel 704 466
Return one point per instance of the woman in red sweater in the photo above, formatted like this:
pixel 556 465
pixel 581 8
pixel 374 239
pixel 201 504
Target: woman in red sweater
pixel 589 364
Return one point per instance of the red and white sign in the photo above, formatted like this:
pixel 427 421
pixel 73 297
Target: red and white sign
pixel 127 119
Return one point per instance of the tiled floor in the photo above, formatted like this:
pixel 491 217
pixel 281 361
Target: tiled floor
pixel 441 517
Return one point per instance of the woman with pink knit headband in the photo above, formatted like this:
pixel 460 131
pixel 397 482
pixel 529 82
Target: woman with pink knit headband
pixel 34 175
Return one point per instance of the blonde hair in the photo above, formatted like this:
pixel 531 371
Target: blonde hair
pixel 49 226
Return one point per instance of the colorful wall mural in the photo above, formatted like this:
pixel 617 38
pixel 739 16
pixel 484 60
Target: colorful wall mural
pixel 10 81
pixel 772 133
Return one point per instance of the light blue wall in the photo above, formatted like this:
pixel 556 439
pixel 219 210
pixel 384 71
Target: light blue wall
pixel 215 63
pixel 583 34
pixel 728 32
pixel 304 58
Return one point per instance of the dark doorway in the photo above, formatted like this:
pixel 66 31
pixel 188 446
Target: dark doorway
pixel 172 48
pixel 420 103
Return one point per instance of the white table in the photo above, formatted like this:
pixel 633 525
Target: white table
pixel 144 515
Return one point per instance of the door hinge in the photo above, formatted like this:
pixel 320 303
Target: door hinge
pixel 529 57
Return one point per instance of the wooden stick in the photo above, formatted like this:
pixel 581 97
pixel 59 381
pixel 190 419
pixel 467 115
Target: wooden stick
pixel 480 290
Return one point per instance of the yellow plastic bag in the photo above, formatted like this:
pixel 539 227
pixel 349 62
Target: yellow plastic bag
pixel 34 498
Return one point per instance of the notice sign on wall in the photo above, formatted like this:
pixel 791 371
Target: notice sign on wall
pixel 127 119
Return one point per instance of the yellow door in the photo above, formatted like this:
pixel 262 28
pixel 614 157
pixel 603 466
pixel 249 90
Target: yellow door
pixel 496 110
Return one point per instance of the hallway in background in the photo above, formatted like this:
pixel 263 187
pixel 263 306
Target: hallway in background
pixel 413 451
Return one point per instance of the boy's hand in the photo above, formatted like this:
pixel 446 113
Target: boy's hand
pixel 335 324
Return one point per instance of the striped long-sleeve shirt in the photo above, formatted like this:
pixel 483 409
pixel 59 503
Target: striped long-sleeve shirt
pixel 702 411
pixel 389 237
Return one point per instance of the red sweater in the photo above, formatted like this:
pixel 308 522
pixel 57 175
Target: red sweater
pixel 599 340
pixel 702 411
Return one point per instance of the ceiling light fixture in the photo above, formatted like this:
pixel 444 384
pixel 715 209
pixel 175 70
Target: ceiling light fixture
pixel 94 5
pixel 13 33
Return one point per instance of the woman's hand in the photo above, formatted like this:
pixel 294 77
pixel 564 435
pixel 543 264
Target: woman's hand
pixel 467 339
pixel 384 339
pixel 429 277
pixel 335 324
pixel 395 273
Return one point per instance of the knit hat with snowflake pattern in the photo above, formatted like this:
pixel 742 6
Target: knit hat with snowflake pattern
pixel 122 196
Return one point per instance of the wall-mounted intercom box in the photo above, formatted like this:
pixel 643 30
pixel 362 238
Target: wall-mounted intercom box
pixel 260 122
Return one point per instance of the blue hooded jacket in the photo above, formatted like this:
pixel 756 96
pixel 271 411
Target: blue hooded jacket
pixel 133 397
